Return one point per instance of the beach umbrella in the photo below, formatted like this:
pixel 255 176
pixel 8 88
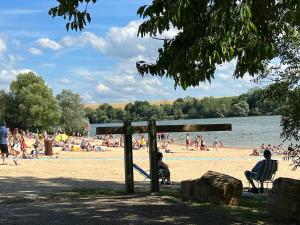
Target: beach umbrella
pixel 61 137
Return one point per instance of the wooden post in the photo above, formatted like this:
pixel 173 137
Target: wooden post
pixel 128 159
pixel 153 156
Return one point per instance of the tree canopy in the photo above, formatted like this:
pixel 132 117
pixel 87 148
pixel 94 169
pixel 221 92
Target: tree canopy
pixel 210 32
pixel 73 115
pixel 31 104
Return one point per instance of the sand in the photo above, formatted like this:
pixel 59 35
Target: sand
pixel 89 169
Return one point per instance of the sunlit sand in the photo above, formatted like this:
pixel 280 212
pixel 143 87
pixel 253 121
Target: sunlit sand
pixel 108 166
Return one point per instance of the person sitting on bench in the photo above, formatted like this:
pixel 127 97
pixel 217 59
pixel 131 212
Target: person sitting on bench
pixel 163 168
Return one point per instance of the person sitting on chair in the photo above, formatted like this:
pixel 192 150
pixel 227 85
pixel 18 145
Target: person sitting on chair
pixel 164 168
pixel 255 169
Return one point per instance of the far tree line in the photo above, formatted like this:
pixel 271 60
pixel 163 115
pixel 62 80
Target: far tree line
pixel 252 103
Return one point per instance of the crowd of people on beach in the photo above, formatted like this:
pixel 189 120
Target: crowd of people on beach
pixel 199 143
pixel 275 149
pixel 14 139
pixel 13 145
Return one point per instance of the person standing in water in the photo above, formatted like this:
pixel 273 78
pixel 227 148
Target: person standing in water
pixel 215 143
pixel 187 141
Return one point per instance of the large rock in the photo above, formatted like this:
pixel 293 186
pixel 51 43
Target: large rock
pixel 213 187
pixel 284 199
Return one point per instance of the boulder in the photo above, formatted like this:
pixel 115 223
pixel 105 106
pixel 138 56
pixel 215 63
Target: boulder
pixel 213 187
pixel 284 200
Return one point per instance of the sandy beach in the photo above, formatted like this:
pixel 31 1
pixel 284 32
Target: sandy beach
pixel 87 169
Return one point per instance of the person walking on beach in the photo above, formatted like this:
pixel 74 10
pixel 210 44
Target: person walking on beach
pixel 3 142
pixel 16 146
pixel 215 143
pixel 187 141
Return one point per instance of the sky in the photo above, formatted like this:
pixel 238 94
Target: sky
pixel 97 63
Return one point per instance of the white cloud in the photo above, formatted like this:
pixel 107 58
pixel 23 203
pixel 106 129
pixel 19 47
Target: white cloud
pixel 121 80
pixel 206 86
pixel 227 67
pixel 151 81
pixel 118 37
pixel 16 43
pixel 15 58
pixel 35 51
pixel 101 88
pixel 2 45
pixel 87 96
pixel 8 75
pixel 86 38
pixel 69 41
pixel 223 76
pixel 48 65
pixel 119 42
pixel 15 12
pixel 94 41
pixel 86 74
pixel 47 43
pixel 64 81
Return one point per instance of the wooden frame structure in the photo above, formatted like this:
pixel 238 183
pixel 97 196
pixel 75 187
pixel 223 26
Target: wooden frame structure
pixel 127 129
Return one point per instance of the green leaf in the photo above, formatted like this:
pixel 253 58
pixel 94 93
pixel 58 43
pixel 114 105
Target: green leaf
pixel 141 10
pixel 252 25
pixel 88 17
pixel 67 26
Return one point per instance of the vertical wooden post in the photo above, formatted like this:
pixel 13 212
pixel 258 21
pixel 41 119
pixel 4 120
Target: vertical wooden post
pixel 153 156
pixel 128 159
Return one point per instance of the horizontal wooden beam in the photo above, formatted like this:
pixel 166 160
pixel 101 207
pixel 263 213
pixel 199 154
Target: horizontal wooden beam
pixel 194 128
pixel 167 128
pixel 109 130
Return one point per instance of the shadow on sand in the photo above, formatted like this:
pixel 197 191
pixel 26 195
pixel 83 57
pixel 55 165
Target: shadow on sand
pixel 30 200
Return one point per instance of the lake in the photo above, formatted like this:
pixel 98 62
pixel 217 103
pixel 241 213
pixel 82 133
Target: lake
pixel 246 131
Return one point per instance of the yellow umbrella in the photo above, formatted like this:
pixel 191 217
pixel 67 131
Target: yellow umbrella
pixel 61 137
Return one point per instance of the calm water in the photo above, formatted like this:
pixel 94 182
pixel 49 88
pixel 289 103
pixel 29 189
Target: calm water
pixel 246 131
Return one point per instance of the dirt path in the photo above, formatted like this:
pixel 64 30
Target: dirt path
pixel 129 209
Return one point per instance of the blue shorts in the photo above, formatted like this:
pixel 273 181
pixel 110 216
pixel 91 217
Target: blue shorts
pixel 4 149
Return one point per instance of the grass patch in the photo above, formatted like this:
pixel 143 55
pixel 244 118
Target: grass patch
pixel 250 209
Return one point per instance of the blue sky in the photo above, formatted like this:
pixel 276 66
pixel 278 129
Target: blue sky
pixel 98 63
